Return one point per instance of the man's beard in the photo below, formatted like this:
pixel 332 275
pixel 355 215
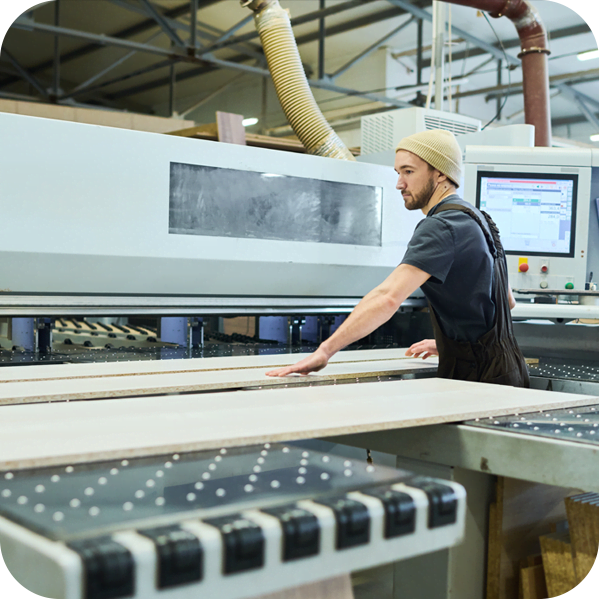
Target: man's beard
pixel 421 199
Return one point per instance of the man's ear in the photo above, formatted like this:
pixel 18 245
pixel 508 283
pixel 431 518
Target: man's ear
pixel 441 177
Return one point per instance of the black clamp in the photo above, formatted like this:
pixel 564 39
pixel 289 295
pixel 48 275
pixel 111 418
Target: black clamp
pixel 180 555
pixel 108 568
pixel 243 543
pixel 301 531
pixel 443 501
pixel 399 508
pixel 352 519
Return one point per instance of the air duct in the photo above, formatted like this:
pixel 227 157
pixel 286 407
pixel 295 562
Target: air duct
pixel 534 59
pixel 305 117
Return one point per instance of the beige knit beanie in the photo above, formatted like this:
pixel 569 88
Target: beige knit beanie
pixel 437 147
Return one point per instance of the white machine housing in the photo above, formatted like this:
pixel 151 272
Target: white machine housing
pixel 383 131
pixel 572 161
pixel 85 210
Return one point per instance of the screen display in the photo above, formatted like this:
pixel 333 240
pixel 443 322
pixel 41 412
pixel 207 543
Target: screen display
pixel 534 212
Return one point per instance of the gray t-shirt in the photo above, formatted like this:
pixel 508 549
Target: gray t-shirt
pixel 450 246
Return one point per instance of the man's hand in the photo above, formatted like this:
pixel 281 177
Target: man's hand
pixel 315 362
pixel 427 347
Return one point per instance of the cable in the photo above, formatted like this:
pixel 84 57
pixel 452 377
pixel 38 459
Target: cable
pixel 507 68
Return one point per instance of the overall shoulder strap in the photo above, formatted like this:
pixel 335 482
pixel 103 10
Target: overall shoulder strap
pixel 493 239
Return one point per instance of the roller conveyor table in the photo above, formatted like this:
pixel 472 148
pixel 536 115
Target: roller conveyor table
pixel 225 523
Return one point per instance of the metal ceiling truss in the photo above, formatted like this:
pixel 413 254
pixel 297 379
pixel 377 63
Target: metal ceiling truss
pixel 176 54
pixel 251 50
pixel 194 52
pixel 25 74
pixel 164 25
pixel 123 33
pixel 582 101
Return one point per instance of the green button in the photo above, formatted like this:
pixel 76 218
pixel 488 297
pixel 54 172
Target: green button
pixel 569 286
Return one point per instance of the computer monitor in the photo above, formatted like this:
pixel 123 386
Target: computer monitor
pixel 535 212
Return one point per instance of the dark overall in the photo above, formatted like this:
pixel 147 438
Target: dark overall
pixel 495 357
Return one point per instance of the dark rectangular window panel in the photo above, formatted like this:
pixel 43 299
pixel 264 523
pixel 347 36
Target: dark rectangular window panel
pixel 246 204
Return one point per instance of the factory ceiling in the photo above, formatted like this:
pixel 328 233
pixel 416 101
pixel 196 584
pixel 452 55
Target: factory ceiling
pixel 136 55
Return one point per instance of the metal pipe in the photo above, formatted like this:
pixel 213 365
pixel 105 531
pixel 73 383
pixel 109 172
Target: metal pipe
pixel 56 70
pixel 420 52
pixel 440 26
pixel 534 59
pixel 193 25
pixel 321 41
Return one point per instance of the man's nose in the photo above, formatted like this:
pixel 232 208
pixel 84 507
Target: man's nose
pixel 400 185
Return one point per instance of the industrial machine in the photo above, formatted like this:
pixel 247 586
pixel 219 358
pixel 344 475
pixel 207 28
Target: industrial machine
pixel 117 224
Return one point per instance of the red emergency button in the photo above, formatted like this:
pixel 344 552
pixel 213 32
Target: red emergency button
pixel 523 267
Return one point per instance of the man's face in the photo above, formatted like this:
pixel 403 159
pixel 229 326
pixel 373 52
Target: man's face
pixel 416 179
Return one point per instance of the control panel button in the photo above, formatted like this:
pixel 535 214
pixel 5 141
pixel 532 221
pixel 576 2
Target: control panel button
pixel 179 555
pixel 544 269
pixel 523 267
pixel 108 568
pixel 569 286
pixel 301 531
pixel 243 541
pixel 543 284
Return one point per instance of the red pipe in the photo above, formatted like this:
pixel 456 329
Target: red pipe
pixel 534 59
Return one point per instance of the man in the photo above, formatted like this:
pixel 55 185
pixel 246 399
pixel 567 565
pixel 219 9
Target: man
pixel 456 257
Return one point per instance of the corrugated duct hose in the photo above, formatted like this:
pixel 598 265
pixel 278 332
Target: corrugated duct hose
pixel 305 117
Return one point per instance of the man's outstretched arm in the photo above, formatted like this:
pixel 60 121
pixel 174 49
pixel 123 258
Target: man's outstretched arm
pixel 373 310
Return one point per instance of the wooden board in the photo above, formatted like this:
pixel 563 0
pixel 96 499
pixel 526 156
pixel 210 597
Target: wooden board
pixel 183 365
pixel 582 514
pixel 88 388
pixel 557 558
pixel 521 513
pixel 75 432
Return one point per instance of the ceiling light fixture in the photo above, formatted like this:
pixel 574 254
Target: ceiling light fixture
pixel 595 137
pixel 249 122
pixel 589 55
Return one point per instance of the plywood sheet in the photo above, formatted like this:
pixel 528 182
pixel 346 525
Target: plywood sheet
pixel 74 432
pixel 87 388
pixel 182 365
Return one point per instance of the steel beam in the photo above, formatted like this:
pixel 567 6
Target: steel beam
pixel 101 39
pixel 371 49
pixel 218 43
pixel 583 107
pixel 56 66
pixel 516 42
pixel 157 16
pixel 310 37
pixel 123 33
pixel 193 23
pixel 252 50
pixel 24 73
pixel 575 77
pixel 83 86
pixel 423 14
pixel 572 120
pixel 149 69
pixel 321 41
pixel 172 90
pixel 307 18
pixel 419 52
pixel 517 88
